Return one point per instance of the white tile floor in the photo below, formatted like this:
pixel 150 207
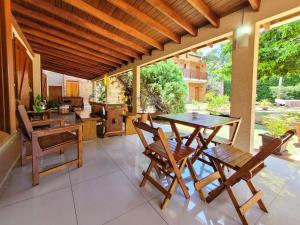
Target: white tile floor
pixel 106 191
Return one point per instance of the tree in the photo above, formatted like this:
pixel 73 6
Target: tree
pixel 279 51
pixel 163 83
pixel 162 86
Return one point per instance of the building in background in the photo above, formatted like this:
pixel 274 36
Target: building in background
pixel 194 72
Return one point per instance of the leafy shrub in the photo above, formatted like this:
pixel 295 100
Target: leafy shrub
pixel 218 103
pixel 265 103
pixel 278 124
pixel 288 92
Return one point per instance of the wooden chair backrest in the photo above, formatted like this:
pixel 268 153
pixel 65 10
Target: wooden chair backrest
pixel 25 120
pixel 156 132
pixel 256 160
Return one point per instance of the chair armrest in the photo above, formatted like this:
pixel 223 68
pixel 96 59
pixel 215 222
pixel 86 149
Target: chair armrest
pixel 47 122
pixel 46 132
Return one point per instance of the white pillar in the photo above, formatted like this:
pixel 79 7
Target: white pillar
pixel 243 86
pixel 136 84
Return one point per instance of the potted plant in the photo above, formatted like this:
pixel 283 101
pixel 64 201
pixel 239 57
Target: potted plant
pixel 276 126
pixel 265 104
pixel 38 105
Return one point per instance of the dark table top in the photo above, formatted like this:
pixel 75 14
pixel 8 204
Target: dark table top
pixel 198 120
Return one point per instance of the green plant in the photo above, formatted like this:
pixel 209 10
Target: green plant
pixel 287 92
pixel 218 103
pixel 37 107
pixel 265 103
pixel 165 87
pixel 100 91
pixel 277 124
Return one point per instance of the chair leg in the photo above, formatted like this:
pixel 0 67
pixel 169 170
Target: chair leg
pixel 236 205
pixel 35 170
pixel 260 203
pixel 79 153
pixel 150 167
pixel 177 178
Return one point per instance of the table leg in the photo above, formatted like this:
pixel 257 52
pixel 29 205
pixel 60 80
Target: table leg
pixel 205 144
pixel 192 136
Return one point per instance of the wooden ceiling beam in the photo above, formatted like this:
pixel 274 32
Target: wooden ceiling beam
pixel 71 63
pixel 47 52
pixel 54 24
pixel 206 11
pixel 53 45
pixel 45 49
pixel 72 38
pixel 144 18
pixel 255 4
pixel 71 17
pixel 66 72
pixel 87 8
pixel 166 9
pixel 104 58
pixel 68 68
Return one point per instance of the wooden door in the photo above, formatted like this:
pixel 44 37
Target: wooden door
pixel 197 94
pixel 44 86
pixel 55 93
pixel 72 88
pixel 23 75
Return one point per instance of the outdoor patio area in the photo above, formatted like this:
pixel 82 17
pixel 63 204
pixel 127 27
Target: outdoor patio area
pixel 106 191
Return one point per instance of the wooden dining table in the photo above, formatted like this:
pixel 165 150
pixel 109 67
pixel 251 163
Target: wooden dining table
pixel 198 121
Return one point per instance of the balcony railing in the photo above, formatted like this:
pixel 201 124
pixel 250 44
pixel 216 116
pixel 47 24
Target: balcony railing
pixel 193 74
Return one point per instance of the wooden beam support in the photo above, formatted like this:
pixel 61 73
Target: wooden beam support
pixel 46 57
pixel 206 11
pixel 72 38
pixel 54 24
pixel 65 72
pixel 7 91
pixel 102 57
pixel 45 49
pixel 255 4
pixel 67 57
pixel 166 9
pixel 144 18
pixel 87 8
pixel 78 71
pixel 63 48
pixel 20 32
pixel 71 17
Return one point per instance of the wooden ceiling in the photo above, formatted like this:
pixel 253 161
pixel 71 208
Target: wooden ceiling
pixel 87 38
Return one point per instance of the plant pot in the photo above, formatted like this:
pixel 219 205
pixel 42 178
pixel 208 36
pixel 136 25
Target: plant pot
pixel 297 125
pixel 266 139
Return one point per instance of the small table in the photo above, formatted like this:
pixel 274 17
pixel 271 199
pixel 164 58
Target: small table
pixel 198 121
pixel 89 124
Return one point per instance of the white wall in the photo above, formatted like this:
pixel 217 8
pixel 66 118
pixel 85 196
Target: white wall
pixel 58 79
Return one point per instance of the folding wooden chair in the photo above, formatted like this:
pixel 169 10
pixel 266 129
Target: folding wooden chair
pixel 169 157
pixel 245 165
pixel 169 135
pixel 45 142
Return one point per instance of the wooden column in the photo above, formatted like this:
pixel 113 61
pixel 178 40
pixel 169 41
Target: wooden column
pixel 136 84
pixel 243 86
pixel 7 103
